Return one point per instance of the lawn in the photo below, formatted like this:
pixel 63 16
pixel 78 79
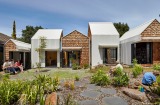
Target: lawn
pixel 62 73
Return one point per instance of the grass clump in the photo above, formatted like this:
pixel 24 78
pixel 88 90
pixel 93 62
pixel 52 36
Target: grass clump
pixel 100 67
pixel 137 70
pixel 76 78
pixel 100 78
pixel 118 72
pixel 121 80
pixel 156 67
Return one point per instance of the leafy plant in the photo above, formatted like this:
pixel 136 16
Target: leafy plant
pixel 72 86
pixel 137 70
pixel 68 100
pixel 76 78
pixel 86 66
pixel 75 66
pixel 100 67
pixel 118 72
pixel 100 78
pixel 156 67
pixel 121 80
pixel 158 80
pixel 135 61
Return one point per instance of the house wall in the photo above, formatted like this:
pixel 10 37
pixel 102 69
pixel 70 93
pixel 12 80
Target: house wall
pixel 77 39
pixel 9 46
pixel 96 52
pixel 51 45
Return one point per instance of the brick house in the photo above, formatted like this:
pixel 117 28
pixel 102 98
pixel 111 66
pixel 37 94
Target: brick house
pixel 3 39
pixel 75 48
pixel 18 50
pixel 142 43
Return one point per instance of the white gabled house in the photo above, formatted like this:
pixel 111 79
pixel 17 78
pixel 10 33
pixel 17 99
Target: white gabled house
pixel 51 54
pixel 142 43
pixel 104 40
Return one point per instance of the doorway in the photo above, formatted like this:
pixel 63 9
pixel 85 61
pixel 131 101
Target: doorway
pixel 109 55
pixel 51 58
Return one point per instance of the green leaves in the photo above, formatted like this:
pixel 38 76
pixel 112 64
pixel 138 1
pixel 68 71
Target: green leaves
pixel 121 80
pixel 137 70
pixel 100 78
pixel 121 28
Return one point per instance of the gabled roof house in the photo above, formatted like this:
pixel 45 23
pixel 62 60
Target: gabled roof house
pixel 142 43
pixel 104 39
pixel 51 54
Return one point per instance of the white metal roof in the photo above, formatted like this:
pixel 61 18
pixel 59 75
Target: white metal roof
pixel 21 45
pixel 136 31
pixel 102 28
pixel 48 33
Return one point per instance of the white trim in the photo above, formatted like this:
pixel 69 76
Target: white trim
pixel 153 37
pixel 105 46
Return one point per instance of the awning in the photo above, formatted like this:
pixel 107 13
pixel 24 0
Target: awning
pixel 71 48
pixel 107 46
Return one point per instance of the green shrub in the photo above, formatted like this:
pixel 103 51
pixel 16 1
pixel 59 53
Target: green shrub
pixel 158 80
pixel 118 72
pixel 76 78
pixel 4 76
pixel 137 70
pixel 75 66
pixel 121 80
pixel 156 67
pixel 86 66
pixel 135 61
pixel 100 78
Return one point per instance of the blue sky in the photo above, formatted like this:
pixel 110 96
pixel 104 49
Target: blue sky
pixel 74 14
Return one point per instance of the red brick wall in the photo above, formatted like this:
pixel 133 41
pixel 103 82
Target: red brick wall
pixel 9 46
pixel 77 39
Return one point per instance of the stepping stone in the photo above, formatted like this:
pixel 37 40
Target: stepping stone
pixel 113 101
pixel 79 84
pixel 88 102
pixel 93 87
pixel 90 94
pixel 110 91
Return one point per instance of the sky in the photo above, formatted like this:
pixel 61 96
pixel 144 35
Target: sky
pixel 72 15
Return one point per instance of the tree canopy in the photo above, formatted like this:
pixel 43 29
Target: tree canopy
pixel 14 30
pixel 28 33
pixel 121 27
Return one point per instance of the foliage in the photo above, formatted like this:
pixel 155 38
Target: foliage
pixel 76 78
pixel 118 72
pixel 68 100
pixel 69 84
pixel 27 92
pixel 72 86
pixel 86 66
pixel 75 66
pixel 155 89
pixel 40 50
pixel 121 28
pixel 100 78
pixel 4 76
pixel 156 67
pixel 121 80
pixel 28 33
pixel 137 70
pixel 14 30
pixel 158 80
pixel 135 61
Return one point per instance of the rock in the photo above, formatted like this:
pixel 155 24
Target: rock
pixel 137 83
pixel 152 97
pixel 88 102
pixel 135 94
pixel 113 101
pixel 93 87
pixel 110 91
pixel 90 94
pixel 51 99
pixel 59 88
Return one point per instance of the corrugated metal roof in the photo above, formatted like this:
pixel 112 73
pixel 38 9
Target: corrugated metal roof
pixel 21 45
pixel 136 31
pixel 48 33
pixel 102 28
pixel 4 38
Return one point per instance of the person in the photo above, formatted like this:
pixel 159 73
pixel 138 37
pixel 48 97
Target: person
pixel 148 78
pixel 19 65
pixel 7 66
pixel 14 66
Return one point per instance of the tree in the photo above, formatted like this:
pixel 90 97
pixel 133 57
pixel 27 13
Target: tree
pixel 28 33
pixel 121 28
pixel 14 30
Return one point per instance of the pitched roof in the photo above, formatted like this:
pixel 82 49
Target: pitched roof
pixel 136 31
pixel 75 31
pixel 102 28
pixel 21 45
pixel 4 38
pixel 48 33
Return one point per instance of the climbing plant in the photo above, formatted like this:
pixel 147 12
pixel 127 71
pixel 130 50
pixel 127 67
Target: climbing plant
pixel 40 50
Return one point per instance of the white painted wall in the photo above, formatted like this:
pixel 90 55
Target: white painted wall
pixel 96 52
pixel 51 45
